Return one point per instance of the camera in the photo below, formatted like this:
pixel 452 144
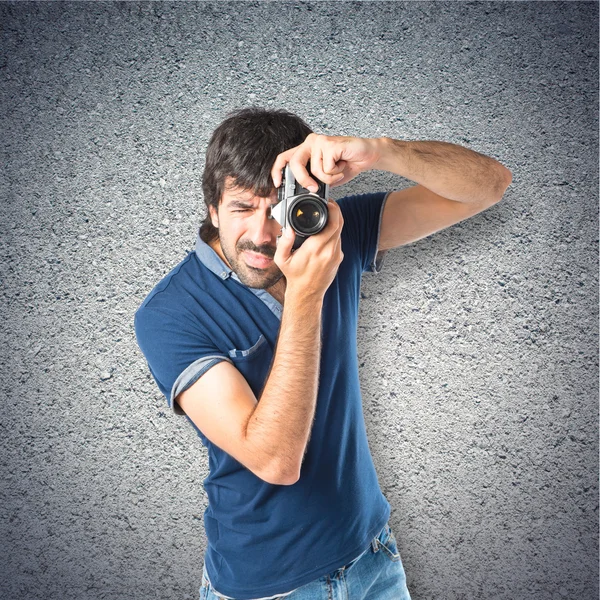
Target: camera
pixel 302 210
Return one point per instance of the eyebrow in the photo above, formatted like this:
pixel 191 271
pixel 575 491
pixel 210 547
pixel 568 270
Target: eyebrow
pixel 242 204
pixel 239 204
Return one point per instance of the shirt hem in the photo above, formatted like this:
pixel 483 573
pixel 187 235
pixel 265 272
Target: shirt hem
pixel 298 582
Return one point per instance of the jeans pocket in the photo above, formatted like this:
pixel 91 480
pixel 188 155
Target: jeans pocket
pixel 386 540
pixel 205 587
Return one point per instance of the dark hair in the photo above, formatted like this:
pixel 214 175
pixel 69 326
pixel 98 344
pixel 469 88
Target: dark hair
pixel 244 147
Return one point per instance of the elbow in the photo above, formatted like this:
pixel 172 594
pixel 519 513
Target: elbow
pixel 280 477
pixel 507 177
pixel 504 181
pixel 287 481
pixel 287 478
pixel 287 475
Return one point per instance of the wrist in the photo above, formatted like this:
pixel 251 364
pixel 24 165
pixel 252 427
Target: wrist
pixel 303 298
pixel 392 153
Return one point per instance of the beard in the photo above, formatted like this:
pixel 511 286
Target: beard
pixel 250 276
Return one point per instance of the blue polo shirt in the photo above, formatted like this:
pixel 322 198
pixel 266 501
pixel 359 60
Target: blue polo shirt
pixel 266 539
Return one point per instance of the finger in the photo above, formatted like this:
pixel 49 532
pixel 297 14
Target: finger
pixel 284 246
pixel 328 232
pixel 340 217
pixel 335 220
pixel 330 235
pixel 316 166
pixel 340 179
pixel 298 165
pixel 329 163
pixel 279 164
pixel 338 246
pixel 328 171
pixel 339 167
pixel 319 157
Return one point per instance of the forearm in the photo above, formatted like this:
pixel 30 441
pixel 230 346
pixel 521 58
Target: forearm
pixel 449 170
pixel 280 425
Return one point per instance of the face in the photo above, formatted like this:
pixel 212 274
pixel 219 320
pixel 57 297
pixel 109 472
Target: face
pixel 247 237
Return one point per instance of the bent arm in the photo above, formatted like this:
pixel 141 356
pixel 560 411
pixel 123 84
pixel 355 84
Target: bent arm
pixel 280 425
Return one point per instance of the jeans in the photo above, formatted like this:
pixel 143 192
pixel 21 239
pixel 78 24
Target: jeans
pixel 377 574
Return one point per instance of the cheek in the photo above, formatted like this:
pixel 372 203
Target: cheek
pixel 235 233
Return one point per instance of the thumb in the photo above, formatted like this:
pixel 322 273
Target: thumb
pixel 284 245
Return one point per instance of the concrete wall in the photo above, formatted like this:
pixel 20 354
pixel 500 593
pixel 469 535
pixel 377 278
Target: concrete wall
pixel 478 345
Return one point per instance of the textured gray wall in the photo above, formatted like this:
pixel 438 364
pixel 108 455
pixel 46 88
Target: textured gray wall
pixel 478 345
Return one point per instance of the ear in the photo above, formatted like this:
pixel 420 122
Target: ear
pixel 214 216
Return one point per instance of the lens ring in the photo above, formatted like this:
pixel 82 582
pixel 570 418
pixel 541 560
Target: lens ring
pixel 307 215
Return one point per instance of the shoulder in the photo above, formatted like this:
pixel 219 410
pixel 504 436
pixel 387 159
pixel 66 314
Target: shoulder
pixel 173 299
pixel 172 283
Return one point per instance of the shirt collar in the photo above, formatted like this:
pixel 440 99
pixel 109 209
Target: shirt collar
pixel 210 259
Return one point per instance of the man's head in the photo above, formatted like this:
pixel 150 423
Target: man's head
pixel 238 189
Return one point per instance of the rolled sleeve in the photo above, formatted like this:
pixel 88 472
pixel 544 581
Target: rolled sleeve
pixel 177 354
pixel 190 375
pixel 362 228
pixel 377 260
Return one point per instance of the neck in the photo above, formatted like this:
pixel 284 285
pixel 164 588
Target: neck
pixel 216 246
pixel 278 290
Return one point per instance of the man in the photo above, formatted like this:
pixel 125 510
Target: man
pixel 256 345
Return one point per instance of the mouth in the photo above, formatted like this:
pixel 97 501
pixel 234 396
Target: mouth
pixel 259 261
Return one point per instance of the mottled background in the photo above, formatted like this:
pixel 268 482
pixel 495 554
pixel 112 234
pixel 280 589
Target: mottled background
pixel 478 345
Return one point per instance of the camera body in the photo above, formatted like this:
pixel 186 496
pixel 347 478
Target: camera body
pixel 302 210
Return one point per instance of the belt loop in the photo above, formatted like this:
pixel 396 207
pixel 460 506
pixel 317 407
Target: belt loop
pixel 374 544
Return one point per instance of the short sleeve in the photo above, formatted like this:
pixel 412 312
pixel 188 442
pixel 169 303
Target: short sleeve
pixel 362 226
pixel 177 353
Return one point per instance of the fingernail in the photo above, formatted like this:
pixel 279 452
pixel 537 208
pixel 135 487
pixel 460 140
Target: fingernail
pixel 313 188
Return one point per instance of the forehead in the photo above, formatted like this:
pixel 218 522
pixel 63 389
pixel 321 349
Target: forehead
pixel 234 195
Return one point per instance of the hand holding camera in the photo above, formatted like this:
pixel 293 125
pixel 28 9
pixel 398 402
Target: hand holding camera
pixel 311 221
pixel 303 211
pixel 310 270
pixel 301 193
pixel 335 159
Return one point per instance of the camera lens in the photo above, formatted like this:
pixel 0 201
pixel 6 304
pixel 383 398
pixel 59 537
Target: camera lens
pixel 308 216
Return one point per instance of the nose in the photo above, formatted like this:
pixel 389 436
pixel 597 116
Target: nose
pixel 264 231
